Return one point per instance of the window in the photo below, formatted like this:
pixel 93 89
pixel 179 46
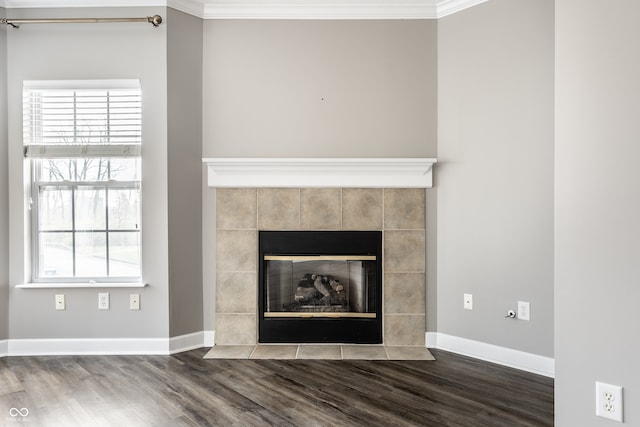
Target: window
pixel 83 140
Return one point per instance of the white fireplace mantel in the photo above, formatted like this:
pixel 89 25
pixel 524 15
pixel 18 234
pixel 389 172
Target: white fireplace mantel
pixel 320 172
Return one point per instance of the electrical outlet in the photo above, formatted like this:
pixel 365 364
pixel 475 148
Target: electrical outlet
pixel 60 305
pixel 524 310
pixel 468 301
pixel 609 401
pixel 134 301
pixel 103 301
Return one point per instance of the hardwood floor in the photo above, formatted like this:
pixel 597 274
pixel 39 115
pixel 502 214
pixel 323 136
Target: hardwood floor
pixel 185 390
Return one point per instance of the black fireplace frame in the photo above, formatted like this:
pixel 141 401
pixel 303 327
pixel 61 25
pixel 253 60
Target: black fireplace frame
pixel 345 330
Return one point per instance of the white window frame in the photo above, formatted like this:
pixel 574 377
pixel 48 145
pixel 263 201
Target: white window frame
pixel 37 150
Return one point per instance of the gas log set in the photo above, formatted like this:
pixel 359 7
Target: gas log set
pixel 319 293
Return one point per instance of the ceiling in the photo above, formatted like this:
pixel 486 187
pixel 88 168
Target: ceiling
pixel 277 9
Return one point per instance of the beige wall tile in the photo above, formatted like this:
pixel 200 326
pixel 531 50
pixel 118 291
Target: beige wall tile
pixel 401 329
pixel 362 208
pixel 320 208
pixel 278 209
pixel 404 251
pixel 236 329
pixel 236 208
pixel 404 293
pixel 404 208
pixel 236 250
pixel 236 293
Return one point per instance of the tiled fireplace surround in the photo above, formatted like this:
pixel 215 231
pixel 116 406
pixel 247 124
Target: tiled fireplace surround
pixel 398 212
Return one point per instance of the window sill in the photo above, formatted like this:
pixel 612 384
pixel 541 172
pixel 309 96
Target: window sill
pixel 55 285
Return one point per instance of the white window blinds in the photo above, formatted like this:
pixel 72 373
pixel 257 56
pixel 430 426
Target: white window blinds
pixel 96 118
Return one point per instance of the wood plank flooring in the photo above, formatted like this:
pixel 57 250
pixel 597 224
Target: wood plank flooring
pixel 185 390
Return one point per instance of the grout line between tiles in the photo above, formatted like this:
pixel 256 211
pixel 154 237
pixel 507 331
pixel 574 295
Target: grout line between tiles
pixel 255 347
pixel 386 352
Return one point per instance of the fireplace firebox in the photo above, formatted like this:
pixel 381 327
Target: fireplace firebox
pixel 320 287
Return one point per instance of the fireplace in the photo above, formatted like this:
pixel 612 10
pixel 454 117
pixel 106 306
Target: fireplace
pixel 384 196
pixel 320 287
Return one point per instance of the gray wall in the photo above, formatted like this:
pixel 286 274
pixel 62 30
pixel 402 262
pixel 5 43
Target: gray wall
pixel 495 172
pixel 4 196
pixel 597 207
pixel 89 51
pixel 319 88
pixel 184 73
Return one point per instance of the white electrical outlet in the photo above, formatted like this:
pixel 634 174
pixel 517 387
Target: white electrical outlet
pixel 609 401
pixel 524 310
pixel 468 301
pixel 103 301
pixel 60 302
pixel 134 301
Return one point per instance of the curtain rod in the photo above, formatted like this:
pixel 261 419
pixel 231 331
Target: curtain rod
pixel 154 20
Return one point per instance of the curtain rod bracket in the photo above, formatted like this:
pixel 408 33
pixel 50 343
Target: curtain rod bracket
pixel 7 22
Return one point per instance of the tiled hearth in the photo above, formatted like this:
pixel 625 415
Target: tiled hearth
pixel 325 352
pixel 399 213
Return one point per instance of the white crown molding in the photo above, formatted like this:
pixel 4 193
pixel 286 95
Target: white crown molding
pixel 319 10
pixel 320 172
pixel 524 361
pixel 192 7
pixel 278 9
pixel 449 7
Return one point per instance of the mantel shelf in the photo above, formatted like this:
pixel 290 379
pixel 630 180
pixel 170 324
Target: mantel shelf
pixel 320 172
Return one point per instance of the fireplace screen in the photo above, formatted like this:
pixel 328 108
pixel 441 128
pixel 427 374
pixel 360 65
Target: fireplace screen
pixel 321 286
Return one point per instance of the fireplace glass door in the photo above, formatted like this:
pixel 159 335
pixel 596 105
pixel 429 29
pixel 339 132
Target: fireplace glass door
pixel 320 287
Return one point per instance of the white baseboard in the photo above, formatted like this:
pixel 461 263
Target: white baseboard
pixel 492 353
pixel 209 338
pixel 87 346
pixel 187 342
pixel 104 346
